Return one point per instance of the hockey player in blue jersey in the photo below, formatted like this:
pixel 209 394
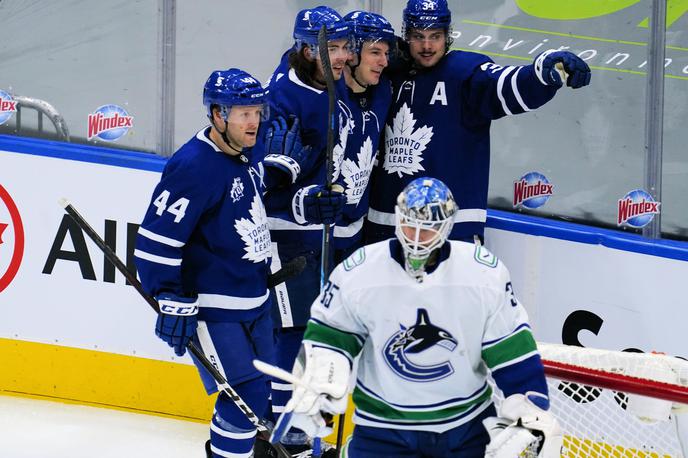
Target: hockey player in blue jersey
pixel 426 320
pixel 297 211
pixel 203 251
pixel 439 124
pixel 368 97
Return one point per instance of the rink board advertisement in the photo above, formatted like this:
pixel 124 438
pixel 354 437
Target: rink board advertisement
pixel 66 309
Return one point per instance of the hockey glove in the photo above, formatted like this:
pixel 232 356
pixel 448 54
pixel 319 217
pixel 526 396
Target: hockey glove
pixel 316 204
pixel 577 71
pixel 284 150
pixel 177 321
pixel 524 427
pixel 324 381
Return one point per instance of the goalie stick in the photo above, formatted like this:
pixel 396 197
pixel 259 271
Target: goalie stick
pixel 222 383
pixel 327 232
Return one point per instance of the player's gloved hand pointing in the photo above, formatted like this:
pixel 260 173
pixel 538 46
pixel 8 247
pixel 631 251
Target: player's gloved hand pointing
pixel 576 70
pixel 177 321
pixel 284 149
pixel 316 204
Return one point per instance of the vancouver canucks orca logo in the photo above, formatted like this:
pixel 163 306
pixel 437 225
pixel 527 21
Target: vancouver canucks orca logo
pixel 417 339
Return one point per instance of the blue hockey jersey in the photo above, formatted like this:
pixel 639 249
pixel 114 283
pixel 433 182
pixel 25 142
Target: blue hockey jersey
pixel 288 95
pixel 206 234
pixel 439 126
pixel 368 113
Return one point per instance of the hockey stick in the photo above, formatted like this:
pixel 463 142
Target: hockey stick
pixel 329 152
pixel 329 164
pixel 222 383
pixel 289 270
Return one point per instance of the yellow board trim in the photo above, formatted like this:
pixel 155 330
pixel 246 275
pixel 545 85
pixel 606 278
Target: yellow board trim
pixel 101 379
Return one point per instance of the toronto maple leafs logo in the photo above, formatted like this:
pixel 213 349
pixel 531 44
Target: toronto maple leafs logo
pixel 255 233
pixel 237 191
pixel 357 173
pixel 419 338
pixel 404 145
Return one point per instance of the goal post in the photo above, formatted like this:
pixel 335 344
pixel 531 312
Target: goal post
pixel 618 404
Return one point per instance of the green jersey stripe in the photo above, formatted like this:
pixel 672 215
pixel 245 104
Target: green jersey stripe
pixel 381 409
pixel 332 337
pixel 509 349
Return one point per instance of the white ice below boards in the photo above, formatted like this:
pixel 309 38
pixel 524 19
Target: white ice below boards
pixel 32 428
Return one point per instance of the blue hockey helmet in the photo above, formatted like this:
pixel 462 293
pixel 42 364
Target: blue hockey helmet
pixel 426 14
pixel 226 88
pixel 366 26
pixel 309 21
pixel 424 218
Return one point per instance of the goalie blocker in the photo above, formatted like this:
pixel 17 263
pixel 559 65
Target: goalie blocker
pixel 524 428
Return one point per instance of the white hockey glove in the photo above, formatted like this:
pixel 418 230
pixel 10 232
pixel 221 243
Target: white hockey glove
pixel 523 429
pixel 323 380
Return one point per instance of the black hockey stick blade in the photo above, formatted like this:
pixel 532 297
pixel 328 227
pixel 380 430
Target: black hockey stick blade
pixel 290 270
pixel 222 383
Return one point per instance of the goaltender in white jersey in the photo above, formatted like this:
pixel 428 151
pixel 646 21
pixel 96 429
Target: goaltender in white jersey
pixel 430 319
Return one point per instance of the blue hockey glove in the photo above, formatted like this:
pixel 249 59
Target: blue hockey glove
pixel 284 150
pixel 177 321
pixel 316 204
pixel 577 71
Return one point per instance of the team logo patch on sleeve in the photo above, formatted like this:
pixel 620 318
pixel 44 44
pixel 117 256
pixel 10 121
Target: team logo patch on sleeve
pixel 485 257
pixel 356 259
pixel 418 353
pixel 237 191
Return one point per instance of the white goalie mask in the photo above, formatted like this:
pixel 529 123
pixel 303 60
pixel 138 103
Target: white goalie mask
pixel 424 218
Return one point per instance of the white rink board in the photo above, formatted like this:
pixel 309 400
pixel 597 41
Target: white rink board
pixel 638 297
pixel 62 308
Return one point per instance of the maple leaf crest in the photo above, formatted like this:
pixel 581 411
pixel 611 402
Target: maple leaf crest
pixel 404 146
pixel 357 174
pixel 255 233
pixel 3 226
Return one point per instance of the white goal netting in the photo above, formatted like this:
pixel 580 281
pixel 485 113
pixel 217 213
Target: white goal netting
pixel 610 419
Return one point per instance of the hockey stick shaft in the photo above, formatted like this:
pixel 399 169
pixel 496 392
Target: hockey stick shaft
pixel 193 349
pixel 289 270
pixel 327 232
pixel 329 152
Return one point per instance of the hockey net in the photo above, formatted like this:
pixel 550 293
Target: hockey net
pixel 594 395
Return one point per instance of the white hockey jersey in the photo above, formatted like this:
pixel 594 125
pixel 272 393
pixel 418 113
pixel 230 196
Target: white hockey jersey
pixel 426 348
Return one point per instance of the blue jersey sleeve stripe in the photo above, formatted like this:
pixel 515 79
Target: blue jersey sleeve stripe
pixel 157 259
pixel 160 238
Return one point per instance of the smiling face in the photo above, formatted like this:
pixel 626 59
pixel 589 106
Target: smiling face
pixel 427 47
pixel 374 59
pixel 242 125
pixel 339 53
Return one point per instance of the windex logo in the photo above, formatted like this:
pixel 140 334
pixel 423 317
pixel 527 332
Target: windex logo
pixel 8 107
pixel 532 190
pixel 109 123
pixel 11 239
pixel 636 209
